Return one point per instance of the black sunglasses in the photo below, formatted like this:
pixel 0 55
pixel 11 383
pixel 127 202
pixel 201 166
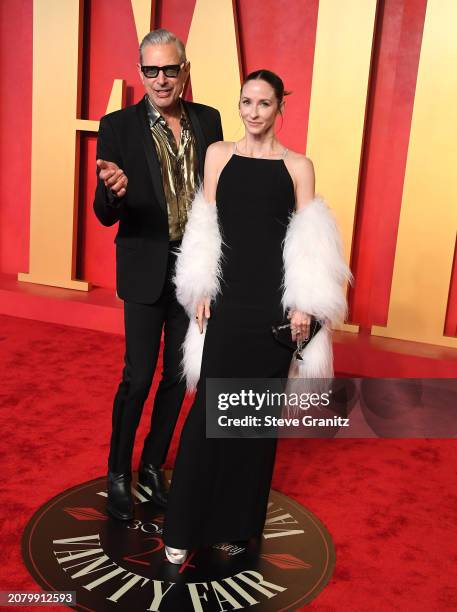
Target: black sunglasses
pixel 151 72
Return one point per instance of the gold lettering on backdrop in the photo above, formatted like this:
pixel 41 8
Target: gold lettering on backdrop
pixel 212 49
pixel 55 104
pixel 116 101
pixel 57 49
pixel 428 218
pixel 143 14
pixel 344 39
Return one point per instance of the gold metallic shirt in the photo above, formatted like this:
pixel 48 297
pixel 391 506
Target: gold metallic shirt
pixel 178 164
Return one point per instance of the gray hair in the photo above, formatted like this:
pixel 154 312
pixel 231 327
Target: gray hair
pixel 163 37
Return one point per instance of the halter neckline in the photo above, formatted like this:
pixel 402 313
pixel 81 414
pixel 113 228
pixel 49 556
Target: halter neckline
pixel 284 153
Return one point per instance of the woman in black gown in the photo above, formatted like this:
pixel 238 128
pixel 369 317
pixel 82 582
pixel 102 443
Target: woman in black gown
pixel 220 487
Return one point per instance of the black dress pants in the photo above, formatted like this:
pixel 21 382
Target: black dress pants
pixel 143 330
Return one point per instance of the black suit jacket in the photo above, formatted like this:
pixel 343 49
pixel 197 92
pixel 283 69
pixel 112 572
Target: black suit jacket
pixel 142 245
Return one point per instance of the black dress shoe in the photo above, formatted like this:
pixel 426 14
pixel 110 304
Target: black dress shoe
pixel 152 482
pixel 120 502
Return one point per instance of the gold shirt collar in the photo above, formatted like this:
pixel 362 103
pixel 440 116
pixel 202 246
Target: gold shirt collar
pixel 154 115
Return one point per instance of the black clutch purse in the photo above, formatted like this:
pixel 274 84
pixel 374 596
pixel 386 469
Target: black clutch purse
pixel 282 334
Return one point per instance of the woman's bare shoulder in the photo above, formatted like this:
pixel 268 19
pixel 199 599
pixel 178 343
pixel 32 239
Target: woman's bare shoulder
pixel 219 149
pixel 217 155
pixel 299 160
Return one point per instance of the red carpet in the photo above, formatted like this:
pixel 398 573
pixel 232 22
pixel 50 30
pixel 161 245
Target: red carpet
pixel 390 505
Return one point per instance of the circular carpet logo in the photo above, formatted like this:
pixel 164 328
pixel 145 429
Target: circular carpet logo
pixel 71 544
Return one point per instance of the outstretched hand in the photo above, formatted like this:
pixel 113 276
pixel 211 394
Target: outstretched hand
pixel 113 177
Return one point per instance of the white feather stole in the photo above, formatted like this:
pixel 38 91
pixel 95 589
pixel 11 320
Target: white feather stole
pixel 197 277
pixel 314 273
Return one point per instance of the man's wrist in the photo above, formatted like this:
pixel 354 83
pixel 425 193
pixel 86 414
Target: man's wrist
pixel 113 199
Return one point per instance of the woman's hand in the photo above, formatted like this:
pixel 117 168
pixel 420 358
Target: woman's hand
pixel 202 312
pixel 299 324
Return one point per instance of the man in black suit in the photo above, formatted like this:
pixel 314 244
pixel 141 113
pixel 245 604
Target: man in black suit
pixel 150 158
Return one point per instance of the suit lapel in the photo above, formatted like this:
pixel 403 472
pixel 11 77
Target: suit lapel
pixel 199 137
pixel 151 155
